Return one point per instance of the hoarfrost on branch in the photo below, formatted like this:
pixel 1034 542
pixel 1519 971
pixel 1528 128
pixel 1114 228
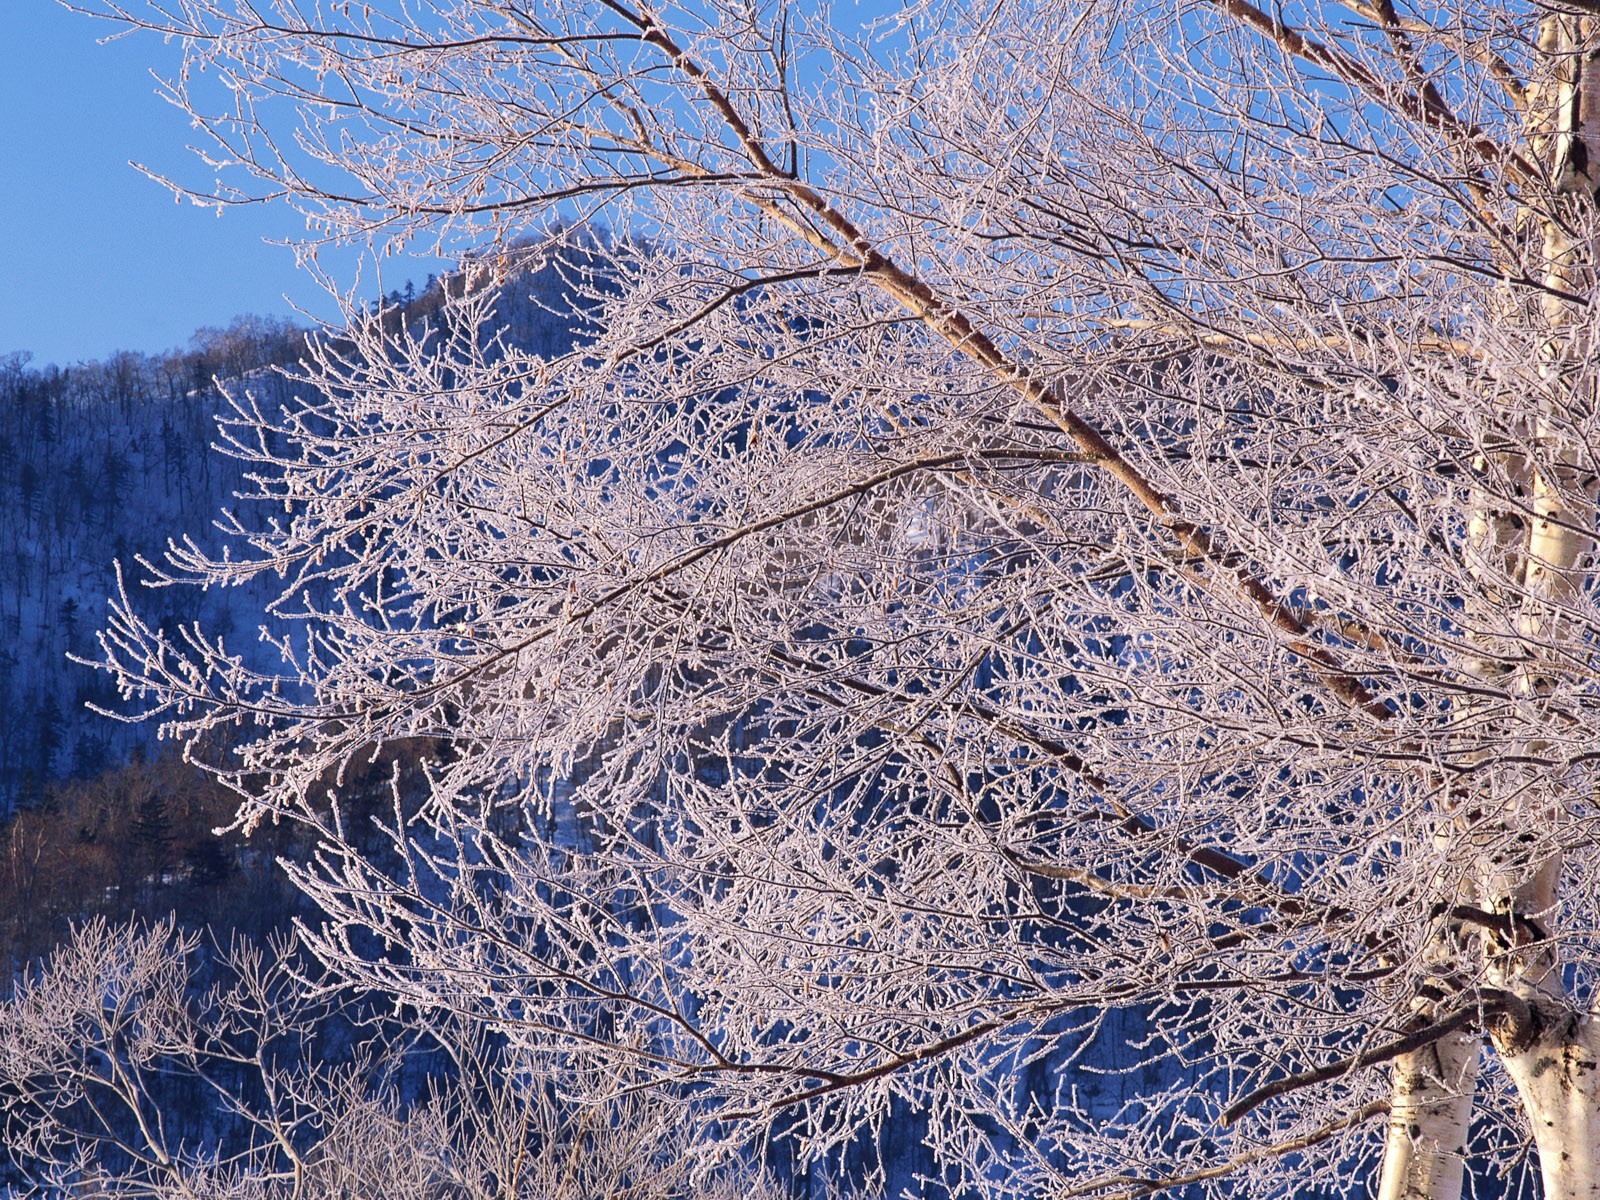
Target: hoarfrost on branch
pixel 1063 518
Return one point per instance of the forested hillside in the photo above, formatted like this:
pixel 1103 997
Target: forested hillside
pixel 102 462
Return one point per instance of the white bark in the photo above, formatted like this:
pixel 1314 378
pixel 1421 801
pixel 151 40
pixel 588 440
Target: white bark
pixel 1557 1073
pixel 1552 1052
pixel 1540 555
pixel 1430 1117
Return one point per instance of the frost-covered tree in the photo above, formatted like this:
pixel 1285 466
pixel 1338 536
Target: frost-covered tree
pixel 122 1075
pixel 1066 539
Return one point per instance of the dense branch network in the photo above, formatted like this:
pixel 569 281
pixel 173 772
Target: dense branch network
pixel 1053 531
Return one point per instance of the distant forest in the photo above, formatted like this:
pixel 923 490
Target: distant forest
pixel 103 463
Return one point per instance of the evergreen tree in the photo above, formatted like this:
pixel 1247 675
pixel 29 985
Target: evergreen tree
pixel 151 833
pixel 209 862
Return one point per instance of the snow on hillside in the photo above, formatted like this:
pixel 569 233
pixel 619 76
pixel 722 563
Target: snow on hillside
pixel 102 463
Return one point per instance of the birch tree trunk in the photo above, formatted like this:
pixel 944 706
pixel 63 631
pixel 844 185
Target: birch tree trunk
pixel 1533 560
pixel 1430 1115
pixel 1550 1049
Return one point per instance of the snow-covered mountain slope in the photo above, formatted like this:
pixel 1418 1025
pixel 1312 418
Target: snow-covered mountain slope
pixel 102 463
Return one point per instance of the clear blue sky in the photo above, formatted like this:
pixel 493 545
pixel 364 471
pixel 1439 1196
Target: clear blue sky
pixel 95 257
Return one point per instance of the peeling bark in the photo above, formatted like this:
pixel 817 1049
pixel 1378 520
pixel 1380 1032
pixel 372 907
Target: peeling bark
pixel 1557 1075
pixel 1429 1119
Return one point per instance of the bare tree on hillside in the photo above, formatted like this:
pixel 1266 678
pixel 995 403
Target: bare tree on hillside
pixel 1063 509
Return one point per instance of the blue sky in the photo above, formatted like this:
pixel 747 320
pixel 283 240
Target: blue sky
pixel 95 256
